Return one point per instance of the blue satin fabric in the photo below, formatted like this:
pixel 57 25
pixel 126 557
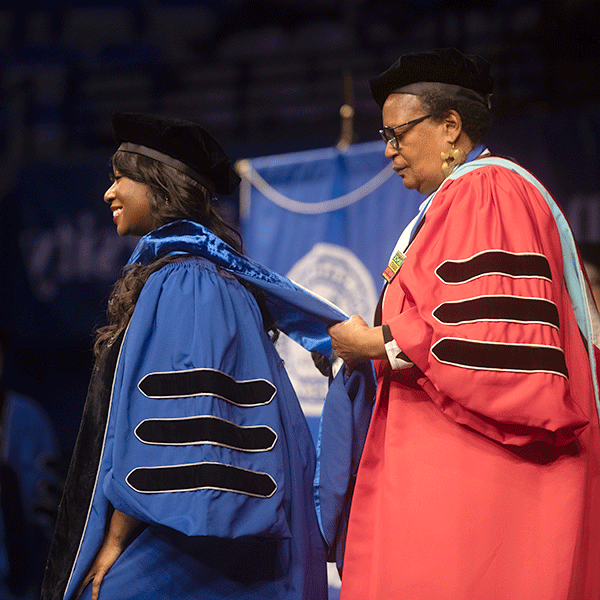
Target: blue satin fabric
pixel 300 314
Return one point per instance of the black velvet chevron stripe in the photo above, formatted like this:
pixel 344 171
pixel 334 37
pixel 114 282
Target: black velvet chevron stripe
pixel 216 476
pixel 207 382
pixel 492 262
pixel 500 357
pixel 498 308
pixel 206 430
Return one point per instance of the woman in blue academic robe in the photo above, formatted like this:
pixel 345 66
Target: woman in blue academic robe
pixel 192 472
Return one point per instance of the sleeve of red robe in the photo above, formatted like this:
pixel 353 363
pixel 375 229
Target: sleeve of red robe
pixel 481 294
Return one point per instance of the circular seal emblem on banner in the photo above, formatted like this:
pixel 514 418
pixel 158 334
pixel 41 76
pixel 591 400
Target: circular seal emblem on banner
pixel 336 274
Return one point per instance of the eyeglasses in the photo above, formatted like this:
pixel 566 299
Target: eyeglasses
pixel 389 135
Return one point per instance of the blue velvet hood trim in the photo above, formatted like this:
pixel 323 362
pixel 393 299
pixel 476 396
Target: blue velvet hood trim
pixel 299 313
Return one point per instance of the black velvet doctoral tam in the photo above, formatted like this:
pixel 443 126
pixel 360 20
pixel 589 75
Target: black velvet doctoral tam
pixel 183 145
pixel 444 65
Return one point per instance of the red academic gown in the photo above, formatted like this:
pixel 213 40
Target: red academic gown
pixel 480 477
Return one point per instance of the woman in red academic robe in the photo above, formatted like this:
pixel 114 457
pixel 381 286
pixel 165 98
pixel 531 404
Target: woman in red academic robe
pixel 480 476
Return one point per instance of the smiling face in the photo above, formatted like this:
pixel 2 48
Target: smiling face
pixel 130 204
pixel 418 156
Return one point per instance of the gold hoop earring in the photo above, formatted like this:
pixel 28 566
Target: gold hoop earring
pixel 451 160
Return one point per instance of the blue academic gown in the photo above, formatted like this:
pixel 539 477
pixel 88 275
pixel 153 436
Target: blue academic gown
pixel 198 433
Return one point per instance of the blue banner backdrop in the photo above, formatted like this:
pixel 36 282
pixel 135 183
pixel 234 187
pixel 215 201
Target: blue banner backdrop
pixel 328 220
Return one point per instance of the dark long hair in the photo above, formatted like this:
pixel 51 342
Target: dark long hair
pixel 173 196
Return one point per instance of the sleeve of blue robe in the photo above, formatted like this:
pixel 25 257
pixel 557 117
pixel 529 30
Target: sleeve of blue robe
pixel 195 439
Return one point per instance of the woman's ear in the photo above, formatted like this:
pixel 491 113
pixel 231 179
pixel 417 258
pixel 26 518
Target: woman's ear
pixel 453 125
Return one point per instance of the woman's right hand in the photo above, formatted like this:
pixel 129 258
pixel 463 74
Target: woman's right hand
pixel 117 538
pixel 105 559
